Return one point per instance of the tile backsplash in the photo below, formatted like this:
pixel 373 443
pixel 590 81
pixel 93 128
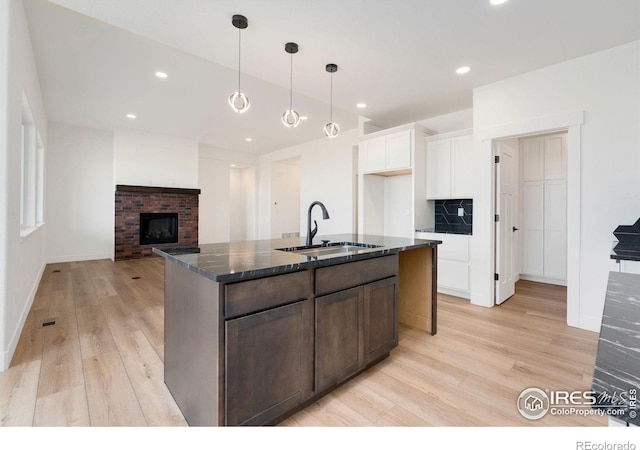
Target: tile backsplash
pixel 447 219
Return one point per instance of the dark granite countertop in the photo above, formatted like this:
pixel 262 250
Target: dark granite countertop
pixel 628 252
pixel 616 377
pixel 233 261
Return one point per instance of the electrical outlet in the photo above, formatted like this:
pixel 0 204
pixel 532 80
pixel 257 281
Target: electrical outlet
pixel 461 212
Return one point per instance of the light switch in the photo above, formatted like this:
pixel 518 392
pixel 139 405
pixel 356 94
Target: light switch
pixel 461 212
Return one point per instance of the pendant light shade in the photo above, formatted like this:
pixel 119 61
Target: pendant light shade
pixel 331 129
pixel 238 100
pixel 291 118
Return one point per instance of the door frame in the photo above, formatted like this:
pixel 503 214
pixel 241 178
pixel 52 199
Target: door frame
pixel 571 122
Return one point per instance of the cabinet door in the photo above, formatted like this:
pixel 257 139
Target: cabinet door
pixel 462 167
pixel 439 169
pixel 339 336
pixel 269 363
pixel 399 150
pixel 374 153
pixel 380 318
pixel 453 274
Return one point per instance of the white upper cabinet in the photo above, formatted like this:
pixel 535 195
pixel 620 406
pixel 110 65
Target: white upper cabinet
pixel 439 169
pixel 386 153
pixel 450 167
pixel 373 155
pixel 399 150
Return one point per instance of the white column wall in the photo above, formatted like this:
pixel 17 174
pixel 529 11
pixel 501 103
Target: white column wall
pixel 80 194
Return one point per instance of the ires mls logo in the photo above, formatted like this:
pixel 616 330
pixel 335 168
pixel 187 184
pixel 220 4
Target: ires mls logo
pixel 533 403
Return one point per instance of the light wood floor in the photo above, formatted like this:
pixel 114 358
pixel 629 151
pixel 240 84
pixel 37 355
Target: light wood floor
pixel 102 362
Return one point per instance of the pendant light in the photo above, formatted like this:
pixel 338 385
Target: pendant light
pixel 291 118
pixel 238 101
pixel 331 129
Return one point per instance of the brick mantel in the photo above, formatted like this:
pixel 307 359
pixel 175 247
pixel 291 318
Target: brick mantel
pixel 130 201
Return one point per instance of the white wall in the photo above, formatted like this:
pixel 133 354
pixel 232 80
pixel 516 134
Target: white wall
pixel 603 169
pixel 227 206
pixel 213 206
pixel 327 172
pixel 80 194
pixel 22 261
pixel 145 159
pixel 459 120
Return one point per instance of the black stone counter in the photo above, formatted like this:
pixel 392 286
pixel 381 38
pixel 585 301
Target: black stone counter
pixel 233 261
pixel 616 378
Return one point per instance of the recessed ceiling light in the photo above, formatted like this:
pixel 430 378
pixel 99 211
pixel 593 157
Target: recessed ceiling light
pixel 463 70
pixel 248 139
pixel 498 2
pixel 161 75
pixel 232 165
pixel 131 116
pixel 303 117
pixel 361 105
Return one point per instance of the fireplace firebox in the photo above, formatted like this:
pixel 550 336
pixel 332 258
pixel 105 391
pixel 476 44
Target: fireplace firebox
pixel 158 228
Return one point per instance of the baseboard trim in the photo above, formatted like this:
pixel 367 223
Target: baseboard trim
pixel 74 258
pixel 7 356
pixel 536 279
pixel 454 292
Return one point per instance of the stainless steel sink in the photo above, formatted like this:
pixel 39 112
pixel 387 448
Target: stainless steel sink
pixel 328 249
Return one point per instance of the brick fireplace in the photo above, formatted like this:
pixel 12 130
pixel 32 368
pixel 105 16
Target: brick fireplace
pixel 154 206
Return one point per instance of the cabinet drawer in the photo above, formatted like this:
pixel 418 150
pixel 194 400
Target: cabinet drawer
pixel 344 276
pixel 454 246
pixel 256 295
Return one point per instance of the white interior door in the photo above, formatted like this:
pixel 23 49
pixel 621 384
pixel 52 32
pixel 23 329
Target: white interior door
pixel 506 179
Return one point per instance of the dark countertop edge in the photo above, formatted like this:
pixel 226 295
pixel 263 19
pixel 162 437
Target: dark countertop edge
pixel 432 231
pixel 630 253
pixel 276 270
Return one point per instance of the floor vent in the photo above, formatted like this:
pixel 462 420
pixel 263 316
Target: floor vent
pixel 56 271
pixel 48 322
pixel 135 278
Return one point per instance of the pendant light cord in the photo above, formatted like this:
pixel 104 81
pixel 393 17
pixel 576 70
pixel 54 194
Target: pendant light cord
pixel 291 83
pixel 239 56
pixel 331 113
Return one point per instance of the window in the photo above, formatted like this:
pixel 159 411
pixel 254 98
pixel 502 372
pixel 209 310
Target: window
pixel 31 173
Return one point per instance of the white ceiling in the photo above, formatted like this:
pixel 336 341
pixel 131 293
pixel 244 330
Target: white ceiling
pixel 97 59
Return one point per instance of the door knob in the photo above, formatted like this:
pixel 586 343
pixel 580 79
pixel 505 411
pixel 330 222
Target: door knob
pixel 515 229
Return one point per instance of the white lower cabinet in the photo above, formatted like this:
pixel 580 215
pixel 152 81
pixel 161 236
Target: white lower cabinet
pixel 454 268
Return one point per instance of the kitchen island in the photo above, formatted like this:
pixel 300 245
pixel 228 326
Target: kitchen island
pixel 257 330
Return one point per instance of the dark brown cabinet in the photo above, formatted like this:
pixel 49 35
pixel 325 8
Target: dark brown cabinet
pixel 380 318
pixel 339 336
pixel 355 326
pixel 269 363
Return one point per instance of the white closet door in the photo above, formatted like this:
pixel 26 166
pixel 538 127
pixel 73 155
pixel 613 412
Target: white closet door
pixel 555 157
pixel 532 159
pixel 533 228
pixel 555 236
